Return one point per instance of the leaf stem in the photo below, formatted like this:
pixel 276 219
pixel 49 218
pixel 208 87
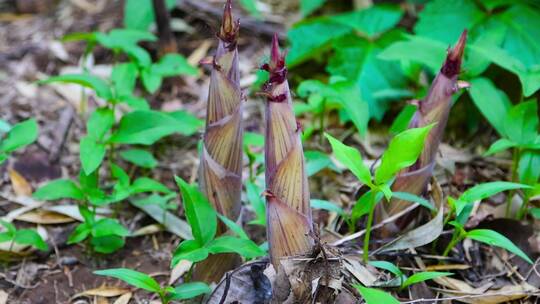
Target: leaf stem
pixel 368 229
pixel 515 160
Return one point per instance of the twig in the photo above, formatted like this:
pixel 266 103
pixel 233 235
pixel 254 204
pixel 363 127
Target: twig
pixel 227 286
pixel 525 294
pixel 62 129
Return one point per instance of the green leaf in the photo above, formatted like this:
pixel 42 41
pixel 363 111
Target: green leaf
pixel 356 108
pixel 317 161
pixel 375 296
pixel 30 237
pixel 403 119
pixel 364 204
pixel 199 213
pixel 20 135
pixel 139 14
pixel 403 151
pixel 91 154
pixel 147 127
pixel 124 77
pixel 424 276
pixel 529 170
pixel 500 145
pixel 350 158
pixel 108 226
pixel 387 266
pixel 9 227
pixel 521 123
pixel 99 123
pixel 81 232
pixel 485 190
pixel 57 189
pixel 132 277
pixel 188 123
pixel 309 6
pixel 136 103
pixel 426 51
pixel 189 290
pixel 4 126
pixel 172 65
pixel 107 244
pixel 146 184
pixel 371 21
pixel 254 196
pixel 312 37
pixel 494 238
pixel 492 102
pixel 95 83
pixel 326 205
pixel 234 227
pixel 139 157
pixel 5 237
pixel 414 198
pixel 227 244
pixel 189 250
pixel 123 39
pixel 445 20
pixel 151 81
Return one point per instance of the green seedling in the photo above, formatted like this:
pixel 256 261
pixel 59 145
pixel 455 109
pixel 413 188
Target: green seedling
pixel 16 137
pixel 21 236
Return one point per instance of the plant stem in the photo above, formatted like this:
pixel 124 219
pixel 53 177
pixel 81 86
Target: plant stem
pixel 368 230
pixel 523 208
pixel 456 238
pixel 321 122
pixel 515 161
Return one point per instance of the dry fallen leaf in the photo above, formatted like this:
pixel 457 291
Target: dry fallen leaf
pixel 123 299
pixel 149 229
pixel 46 217
pixel 103 291
pixel 21 187
pixel 3 297
pixel 182 267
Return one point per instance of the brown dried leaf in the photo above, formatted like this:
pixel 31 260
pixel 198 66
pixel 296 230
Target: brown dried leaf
pixel 21 187
pixel 103 291
pixel 44 217
pixel 123 299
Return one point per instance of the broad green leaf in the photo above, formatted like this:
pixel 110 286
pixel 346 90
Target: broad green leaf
pixel 172 65
pixel 326 205
pixel 108 226
pixel 81 232
pixel 371 21
pixel 426 51
pixel 57 189
pixel 30 237
pixel 132 277
pixel 151 81
pixel 138 55
pixel 403 151
pixel 445 20
pixel 494 238
pixel 251 7
pixel 9 227
pixel 121 39
pixel 254 196
pixel 403 119
pixel 99 123
pixel 189 123
pixel 189 290
pixel 136 103
pixel 492 102
pixel 189 250
pixel 365 203
pixel 20 135
pixel 387 266
pixel 485 190
pixel 124 77
pixel 95 83
pixel 310 38
pixel 234 227
pixel 199 213
pixel 424 276
pixel 107 244
pixel 500 145
pixel 146 184
pixel 350 158
pixel 317 161
pixel 414 198
pixel 139 157
pixel 226 244
pixel 375 296
pixel 91 154
pixel 139 14
pixel 521 123
pixel 147 127
pixel 5 237
pixel 356 108
pixel 309 6
pixel 529 167
pixel 120 175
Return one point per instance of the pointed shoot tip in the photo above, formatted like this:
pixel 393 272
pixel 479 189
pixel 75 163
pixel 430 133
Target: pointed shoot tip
pixel 452 65
pixel 457 52
pixel 229 28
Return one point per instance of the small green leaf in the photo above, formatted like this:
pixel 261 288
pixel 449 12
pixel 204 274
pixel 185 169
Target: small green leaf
pixel 226 244
pixel 254 196
pixel 521 123
pixel 86 80
pixel 500 145
pixel 494 238
pixel 251 7
pixel 30 237
pixel 9 227
pixel 139 157
pixel 108 226
pixel 79 234
pixel 199 213
pixel 189 290
pixel 124 77
pixel 146 184
pixel 107 244
pixel 91 154
pixel 173 65
pixel 375 296
pixel 309 6
pixel 365 203
pixel 403 151
pixel 57 189
pixel 234 227
pixel 20 135
pixel 387 266
pixel 371 21
pixel 485 190
pixel 151 81
pixel 189 250
pixel 139 14
pixel 132 277
pixel 99 123
pixel 414 198
pixel 403 119
pixel 424 276
pixel 350 158
pixel 491 102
